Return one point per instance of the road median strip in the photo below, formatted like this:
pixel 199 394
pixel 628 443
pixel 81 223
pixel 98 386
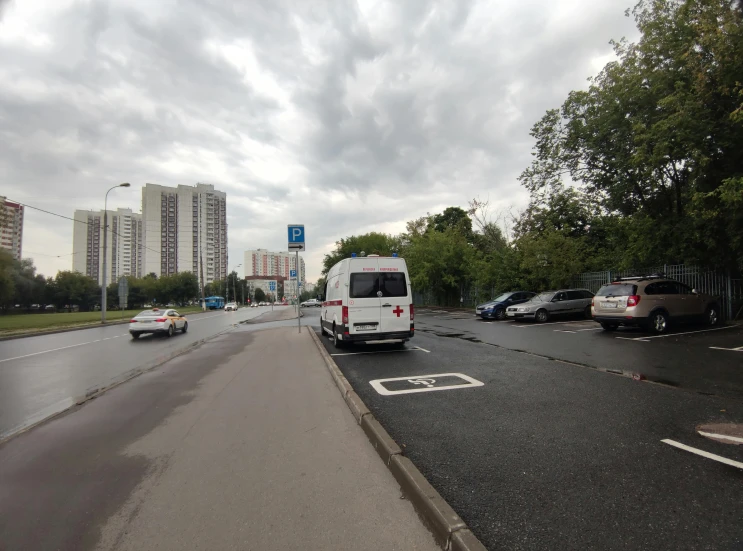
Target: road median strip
pixel 448 528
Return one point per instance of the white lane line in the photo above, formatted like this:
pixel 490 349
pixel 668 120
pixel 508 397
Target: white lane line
pixel 739 349
pixel 703 453
pixel 47 351
pixel 721 436
pixel 687 333
pixel 423 349
pixel 562 331
pixel 591 329
pixel 379 352
pixel 640 339
pixel 207 317
pixel 537 324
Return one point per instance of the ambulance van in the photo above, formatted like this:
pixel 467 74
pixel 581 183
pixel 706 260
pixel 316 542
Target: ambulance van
pixel 368 299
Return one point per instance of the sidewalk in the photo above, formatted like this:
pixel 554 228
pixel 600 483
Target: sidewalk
pixel 266 456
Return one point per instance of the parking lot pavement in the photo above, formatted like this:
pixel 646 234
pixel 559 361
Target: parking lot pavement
pixel 707 360
pixel 541 454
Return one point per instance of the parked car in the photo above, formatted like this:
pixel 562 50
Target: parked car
pixel 230 307
pixel 496 308
pixel 311 303
pixel 549 304
pixel 157 321
pixel 653 303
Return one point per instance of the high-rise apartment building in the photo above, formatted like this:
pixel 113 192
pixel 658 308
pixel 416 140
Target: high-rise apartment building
pixel 185 227
pixel 260 262
pixel 11 227
pixel 123 248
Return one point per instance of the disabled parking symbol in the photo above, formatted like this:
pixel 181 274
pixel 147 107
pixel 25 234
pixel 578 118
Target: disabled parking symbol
pixel 424 383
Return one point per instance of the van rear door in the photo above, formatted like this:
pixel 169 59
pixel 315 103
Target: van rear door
pixel 395 291
pixel 363 296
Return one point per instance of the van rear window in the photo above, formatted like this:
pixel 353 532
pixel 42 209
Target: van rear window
pixel 364 285
pixel 393 284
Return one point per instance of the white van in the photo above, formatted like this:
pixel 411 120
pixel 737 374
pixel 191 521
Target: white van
pixel 368 299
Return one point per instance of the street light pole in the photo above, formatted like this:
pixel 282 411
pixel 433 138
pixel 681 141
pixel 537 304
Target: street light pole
pixel 104 295
pixel 234 290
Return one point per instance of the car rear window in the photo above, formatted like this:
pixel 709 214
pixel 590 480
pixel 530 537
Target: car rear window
pixel 617 290
pixel 364 285
pixel 151 313
pixel 393 284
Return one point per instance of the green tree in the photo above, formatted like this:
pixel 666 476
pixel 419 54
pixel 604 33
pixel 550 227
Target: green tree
pixel 260 295
pixel 370 243
pixel 73 288
pixel 7 285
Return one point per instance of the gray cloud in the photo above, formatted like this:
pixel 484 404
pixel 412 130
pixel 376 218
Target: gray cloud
pixel 336 114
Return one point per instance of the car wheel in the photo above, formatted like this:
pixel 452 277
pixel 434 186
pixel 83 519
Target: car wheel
pixel 541 315
pixel 659 322
pixel 587 312
pixel 712 317
pixel 185 327
pixel 135 336
pixel 500 314
pixel 336 341
pixel 609 326
pixel 170 330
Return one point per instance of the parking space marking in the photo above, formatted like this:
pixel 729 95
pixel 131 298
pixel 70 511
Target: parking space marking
pixel 703 453
pixel 721 436
pixel 562 331
pixel 590 329
pixel 535 324
pixel 739 349
pixel 414 349
pixel 684 333
pixel 636 339
pixel 424 383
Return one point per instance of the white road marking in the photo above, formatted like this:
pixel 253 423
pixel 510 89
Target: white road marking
pixel 423 349
pixel 639 339
pixel 207 317
pixel 739 349
pixel 426 383
pixel 537 324
pixel 562 331
pixel 379 352
pixel 686 333
pixel 721 436
pixel 703 453
pixel 591 329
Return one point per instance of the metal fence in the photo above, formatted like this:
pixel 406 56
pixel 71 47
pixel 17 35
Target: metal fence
pixel 703 280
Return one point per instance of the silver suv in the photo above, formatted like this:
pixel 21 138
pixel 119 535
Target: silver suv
pixel 553 303
pixel 652 303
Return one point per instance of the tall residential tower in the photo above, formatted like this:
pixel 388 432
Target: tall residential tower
pixel 11 227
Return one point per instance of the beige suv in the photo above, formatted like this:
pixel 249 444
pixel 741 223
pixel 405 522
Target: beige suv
pixel 652 303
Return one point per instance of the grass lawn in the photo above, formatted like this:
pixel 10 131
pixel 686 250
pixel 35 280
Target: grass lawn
pixel 21 323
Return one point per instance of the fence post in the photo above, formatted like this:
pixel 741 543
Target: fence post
pixel 608 276
pixel 729 301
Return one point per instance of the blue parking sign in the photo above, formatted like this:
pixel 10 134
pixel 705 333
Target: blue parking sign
pixel 296 237
pixel 292 273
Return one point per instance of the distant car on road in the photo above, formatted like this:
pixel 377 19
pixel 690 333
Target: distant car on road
pixel 230 307
pixel 313 302
pixel 496 308
pixel 653 303
pixel 166 322
pixel 553 303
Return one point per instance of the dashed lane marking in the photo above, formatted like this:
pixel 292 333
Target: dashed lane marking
pixel 703 453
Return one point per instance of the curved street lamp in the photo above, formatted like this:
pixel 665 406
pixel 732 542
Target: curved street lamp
pixel 105 247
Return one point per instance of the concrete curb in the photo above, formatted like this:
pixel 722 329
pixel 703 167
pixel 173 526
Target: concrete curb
pixel 93 393
pixel 448 528
pixel 77 328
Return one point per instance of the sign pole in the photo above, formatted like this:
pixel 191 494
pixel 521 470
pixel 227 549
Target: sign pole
pixel 299 322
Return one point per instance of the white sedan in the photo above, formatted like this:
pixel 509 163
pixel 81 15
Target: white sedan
pixel 166 322
pixel 230 306
pixel 310 303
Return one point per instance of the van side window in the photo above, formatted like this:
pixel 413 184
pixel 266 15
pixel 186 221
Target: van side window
pixel 393 284
pixel 364 285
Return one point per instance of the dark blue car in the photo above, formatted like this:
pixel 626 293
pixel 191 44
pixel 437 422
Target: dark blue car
pixel 496 308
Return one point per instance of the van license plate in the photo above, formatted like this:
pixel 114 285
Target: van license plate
pixel 365 327
pixel 608 305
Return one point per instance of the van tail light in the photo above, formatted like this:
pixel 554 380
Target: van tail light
pixel 345 315
pixel 633 300
pixel 593 302
pixel 412 312
pixel 160 320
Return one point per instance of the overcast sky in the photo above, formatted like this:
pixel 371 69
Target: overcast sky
pixel 347 116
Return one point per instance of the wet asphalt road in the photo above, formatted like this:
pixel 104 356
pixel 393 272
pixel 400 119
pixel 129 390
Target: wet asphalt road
pixel 689 357
pixel 40 376
pixel 550 455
